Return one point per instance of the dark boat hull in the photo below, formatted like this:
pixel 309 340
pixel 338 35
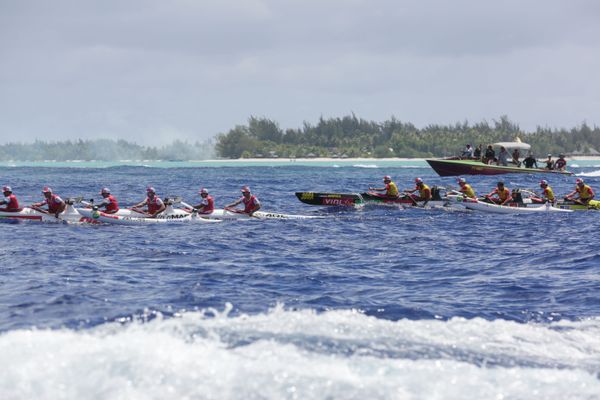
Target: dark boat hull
pixel 469 167
pixel 353 199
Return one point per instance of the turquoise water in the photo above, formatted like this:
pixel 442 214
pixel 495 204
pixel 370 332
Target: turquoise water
pixel 366 163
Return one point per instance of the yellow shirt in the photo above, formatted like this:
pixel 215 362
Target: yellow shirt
pixel 585 192
pixel 467 190
pixel 425 192
pixel 391 189
pixel 549 193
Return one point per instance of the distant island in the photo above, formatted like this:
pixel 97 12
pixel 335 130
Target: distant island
pixel 346 137
pixel 353 137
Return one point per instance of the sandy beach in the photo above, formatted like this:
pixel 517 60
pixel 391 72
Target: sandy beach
pixel 357 160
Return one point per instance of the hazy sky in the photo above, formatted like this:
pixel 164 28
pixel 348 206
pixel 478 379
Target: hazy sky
pixel 157 70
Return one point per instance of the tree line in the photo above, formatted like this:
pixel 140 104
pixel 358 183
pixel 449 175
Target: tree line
pixel 351 136
pixel 104 150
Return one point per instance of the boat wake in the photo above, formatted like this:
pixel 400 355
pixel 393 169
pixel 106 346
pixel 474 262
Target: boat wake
pixel 590 174
pixel 303 354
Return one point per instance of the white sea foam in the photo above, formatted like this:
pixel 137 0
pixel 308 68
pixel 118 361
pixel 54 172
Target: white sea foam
pixel 591 174
pixel 305 355
pixel 365 166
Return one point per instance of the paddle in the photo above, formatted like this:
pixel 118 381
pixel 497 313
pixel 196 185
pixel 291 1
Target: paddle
pixel 408 194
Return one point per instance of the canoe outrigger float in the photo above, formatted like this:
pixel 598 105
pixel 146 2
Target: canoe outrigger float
pixel 359 199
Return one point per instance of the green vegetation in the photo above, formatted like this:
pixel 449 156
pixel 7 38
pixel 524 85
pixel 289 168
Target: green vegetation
pixel 335 137
pixel 103 150
pixel 354 137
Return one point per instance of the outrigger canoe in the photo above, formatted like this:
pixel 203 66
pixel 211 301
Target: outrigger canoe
pixel 358 199
pixel 453 167
pixel 478 205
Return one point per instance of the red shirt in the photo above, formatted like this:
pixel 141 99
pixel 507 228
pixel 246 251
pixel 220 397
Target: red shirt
pixel 111 204
pixel 12 204
pixel 208 205
pixel 250 203
pixel 54 203
pixel 154 204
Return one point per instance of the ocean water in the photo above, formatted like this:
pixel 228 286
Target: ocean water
pixel 377 303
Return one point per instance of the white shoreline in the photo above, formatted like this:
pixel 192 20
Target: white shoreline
pixel 361 160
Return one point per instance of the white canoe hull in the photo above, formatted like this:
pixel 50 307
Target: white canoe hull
pixel 160 219
pixel 476 205
pixel 69 215
pixel 127 212
pixel 130 217
pixel 226 214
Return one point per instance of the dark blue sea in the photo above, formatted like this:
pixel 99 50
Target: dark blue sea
pixel 378 302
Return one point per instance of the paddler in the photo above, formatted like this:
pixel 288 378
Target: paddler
pixel 251 203
pixel 423 189
pixel 466 189
pixel 153 203
pixel 390 189
pixel 503 194
pixel 109 202
pixel 547 193
pixel 10 200
pixel 207 204
pixel 55 204
pixel 584 192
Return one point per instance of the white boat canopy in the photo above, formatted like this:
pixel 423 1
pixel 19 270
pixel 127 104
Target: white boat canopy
pixel 517 144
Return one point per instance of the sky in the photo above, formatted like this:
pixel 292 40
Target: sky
pixel 152 71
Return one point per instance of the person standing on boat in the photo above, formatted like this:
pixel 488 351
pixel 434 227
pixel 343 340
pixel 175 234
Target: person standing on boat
pixel 55 204
pixel 251 203
pixel 109 202
pixel 424 192
pixel 503 157
pixel 390 189
pixel 561 163
pixel 467 152
pixel 10 200
pixel 477 152
pixel 530 161
pixel 153 203
pixel 516 154
pixel 549 162
pixel 502 193
pixel 547 193
pixel 490 155
pixel 207 204
pixel 584 192
pixel 466 189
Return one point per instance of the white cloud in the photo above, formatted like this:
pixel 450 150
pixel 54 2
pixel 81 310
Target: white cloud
pixel 190 69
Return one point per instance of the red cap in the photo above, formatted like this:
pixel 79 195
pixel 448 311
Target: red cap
pixel 7 189
pixel 46 189
pixel 245 189
pixel 150 189
pixel 418 180
pixel 203 190
pixel 387 178
pixel 105 190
